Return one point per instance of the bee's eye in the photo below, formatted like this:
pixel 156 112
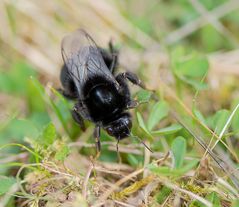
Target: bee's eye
pixel 110 130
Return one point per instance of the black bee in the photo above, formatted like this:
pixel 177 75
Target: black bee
pixel 88 76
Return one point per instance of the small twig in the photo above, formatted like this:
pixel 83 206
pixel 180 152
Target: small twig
pixel 57 171
pixel 192 26
pixel 147 155
pixel 87 176
pixel 123 204
pixel 123 180
pixel 99 169
pixel 116 166
pixel 119 183
pixel 228 186
pixel 213 20
pixel 13 158
pixel 148 190
pixel 98 204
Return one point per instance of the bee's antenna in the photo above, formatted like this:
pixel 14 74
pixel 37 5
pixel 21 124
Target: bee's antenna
pixel 142 142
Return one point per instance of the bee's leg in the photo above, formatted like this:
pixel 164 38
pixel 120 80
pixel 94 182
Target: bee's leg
pixel 97 140
pixel 124 90
pixel 132 78
pixel 69 90
pixel 113 63
pixel 111 47
pixel 78 118
pixel 123 87
pixel 114 54
pixel 110 57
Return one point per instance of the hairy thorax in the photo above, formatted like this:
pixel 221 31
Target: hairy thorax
pixel 104 102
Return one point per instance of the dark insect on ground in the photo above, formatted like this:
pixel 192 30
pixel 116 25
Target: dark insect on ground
pixel 101 96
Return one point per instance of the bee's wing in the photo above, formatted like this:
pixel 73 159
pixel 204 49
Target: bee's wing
pixel 83 58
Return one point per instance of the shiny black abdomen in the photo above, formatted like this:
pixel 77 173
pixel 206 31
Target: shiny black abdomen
pixel 103 100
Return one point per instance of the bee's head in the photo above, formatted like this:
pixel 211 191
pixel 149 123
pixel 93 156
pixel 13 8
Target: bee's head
pixel 120 127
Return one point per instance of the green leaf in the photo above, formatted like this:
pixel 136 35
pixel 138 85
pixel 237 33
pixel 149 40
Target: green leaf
pixel 168 130
pixel 199 115
pixel 198 85
pixel 57 109
pixel 15 80
pixel 219 120
pixel 6 183
pixel 194 66
pixel 108 156
pixel 12 17
pixel 62 99
pixel 49 134
pixel 62 153
pixel 214 199
pixel 184 169
pixel 162 195
pixel 142 23
pixel 143 96
pixel 36 103
pixel 235 119
pixel 179 150
pixel 197 203
pixel 142 124
pixel 6 83
pixel 39 119
pixel 19 129
pixel 176 54
pixel 235 203
pixel 133 160
pixel 211 39
pixel 190 69
pixel 166 171
pixel 159 111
